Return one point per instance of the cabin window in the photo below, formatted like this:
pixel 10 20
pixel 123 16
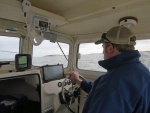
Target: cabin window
pixel 144 48
pixel 48 53
pixel 90 54
pixel 9 47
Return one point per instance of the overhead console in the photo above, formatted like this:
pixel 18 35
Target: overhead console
pixel 11 9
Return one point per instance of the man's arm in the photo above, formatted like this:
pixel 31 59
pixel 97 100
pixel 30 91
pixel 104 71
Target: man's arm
pixel 85 85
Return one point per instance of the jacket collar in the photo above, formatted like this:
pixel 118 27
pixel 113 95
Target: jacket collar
pixel 124 58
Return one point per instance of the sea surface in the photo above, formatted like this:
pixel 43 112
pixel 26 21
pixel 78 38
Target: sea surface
pixel 86 62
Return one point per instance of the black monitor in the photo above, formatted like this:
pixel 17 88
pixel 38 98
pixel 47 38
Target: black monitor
pixel 22 62
pixel 52 72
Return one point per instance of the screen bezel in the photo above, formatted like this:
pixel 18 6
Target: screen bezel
pixel 44 77
pixel 17 56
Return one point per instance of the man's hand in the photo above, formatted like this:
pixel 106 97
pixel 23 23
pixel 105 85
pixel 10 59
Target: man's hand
pixel 74 76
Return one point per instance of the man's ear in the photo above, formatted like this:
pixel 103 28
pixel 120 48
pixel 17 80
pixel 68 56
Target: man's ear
pixel 110 48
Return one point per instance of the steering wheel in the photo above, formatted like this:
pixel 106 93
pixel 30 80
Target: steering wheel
pixel 68 97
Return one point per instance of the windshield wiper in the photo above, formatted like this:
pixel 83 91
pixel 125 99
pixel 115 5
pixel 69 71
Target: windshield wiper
pixel 62 51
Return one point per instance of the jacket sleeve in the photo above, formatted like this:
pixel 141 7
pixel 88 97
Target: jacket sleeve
pixel 86 86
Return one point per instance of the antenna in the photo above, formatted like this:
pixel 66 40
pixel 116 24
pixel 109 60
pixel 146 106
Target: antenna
pixel 26 5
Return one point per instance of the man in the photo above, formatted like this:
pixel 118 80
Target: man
pixel 125 88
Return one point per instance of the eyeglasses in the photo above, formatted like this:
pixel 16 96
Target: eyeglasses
pixel 104 38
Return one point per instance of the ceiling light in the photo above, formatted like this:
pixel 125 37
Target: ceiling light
pixel 128 21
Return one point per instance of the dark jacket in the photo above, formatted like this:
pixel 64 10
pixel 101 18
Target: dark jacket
pixel 125 88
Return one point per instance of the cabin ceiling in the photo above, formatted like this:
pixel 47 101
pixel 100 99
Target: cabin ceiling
pixel 96 16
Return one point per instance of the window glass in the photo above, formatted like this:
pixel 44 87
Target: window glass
pixel 144 48
pixel 9 47
pixel 48 53
pixel 91 54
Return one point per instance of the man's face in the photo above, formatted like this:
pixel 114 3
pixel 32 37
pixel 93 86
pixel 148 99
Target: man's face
pixel 109 50
pixel 106 50
pixel 104 45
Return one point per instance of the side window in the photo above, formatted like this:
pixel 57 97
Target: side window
pixel 144 48
pixel 9 47
pixel 48 53
pixel 90 55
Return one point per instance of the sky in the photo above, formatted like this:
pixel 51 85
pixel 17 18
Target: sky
pixel 9 46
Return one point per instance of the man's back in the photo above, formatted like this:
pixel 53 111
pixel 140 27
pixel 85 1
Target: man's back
pixel 125 88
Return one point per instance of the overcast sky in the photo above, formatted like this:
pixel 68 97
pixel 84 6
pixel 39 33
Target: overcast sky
pixel 9 45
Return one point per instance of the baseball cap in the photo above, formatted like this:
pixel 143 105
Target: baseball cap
pixel 118 35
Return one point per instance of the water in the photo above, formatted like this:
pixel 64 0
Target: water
pixel 86 62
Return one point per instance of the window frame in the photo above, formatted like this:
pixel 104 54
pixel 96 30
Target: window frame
pixel 65 42
pixel 77 49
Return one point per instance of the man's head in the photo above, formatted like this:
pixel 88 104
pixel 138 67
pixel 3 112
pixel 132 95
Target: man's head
pixel 117 40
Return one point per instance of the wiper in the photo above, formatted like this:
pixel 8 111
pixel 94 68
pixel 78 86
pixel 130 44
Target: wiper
pixel 62 51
